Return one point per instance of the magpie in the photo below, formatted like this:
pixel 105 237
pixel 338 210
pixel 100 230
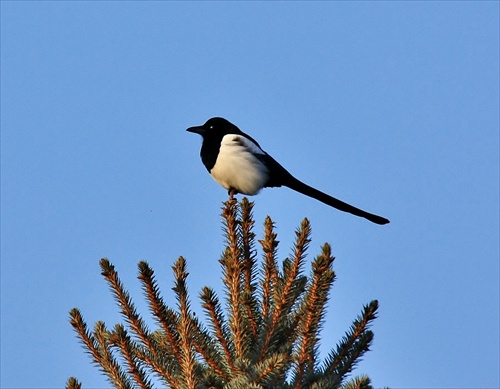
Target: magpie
pixel 237 162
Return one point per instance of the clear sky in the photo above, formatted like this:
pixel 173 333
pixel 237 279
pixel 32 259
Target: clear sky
pixel 391 106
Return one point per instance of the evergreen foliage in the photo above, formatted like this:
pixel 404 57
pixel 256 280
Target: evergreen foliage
pixel 265 336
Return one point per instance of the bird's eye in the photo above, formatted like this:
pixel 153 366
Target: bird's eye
pixel 211 127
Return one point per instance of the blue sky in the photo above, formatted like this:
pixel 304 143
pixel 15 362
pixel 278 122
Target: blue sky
pixel 391 106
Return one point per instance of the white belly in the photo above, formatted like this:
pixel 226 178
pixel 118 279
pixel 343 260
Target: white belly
pixel 236 166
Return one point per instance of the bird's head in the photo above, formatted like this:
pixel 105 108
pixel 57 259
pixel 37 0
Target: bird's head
pixel 215 127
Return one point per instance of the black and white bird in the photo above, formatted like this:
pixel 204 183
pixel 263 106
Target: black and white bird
pixel 237 162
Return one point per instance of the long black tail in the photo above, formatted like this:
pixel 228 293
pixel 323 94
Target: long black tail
pixel 299 186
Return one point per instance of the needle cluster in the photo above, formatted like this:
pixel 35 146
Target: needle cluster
pixel 266 335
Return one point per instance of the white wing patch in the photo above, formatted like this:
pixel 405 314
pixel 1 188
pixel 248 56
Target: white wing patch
pixel 237 167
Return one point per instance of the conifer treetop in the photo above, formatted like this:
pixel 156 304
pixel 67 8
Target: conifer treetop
pixel 265 335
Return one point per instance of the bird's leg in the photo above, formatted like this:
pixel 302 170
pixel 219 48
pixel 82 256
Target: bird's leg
pixel 232 192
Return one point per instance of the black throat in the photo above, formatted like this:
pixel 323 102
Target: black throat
pixel 210 150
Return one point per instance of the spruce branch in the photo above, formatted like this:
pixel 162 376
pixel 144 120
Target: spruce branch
pixel 361 382
pixel 249 295
pixel 73 383
pixel 120 338
pixel 353 345
pixel 124 301
pixel 134 320
pixel 233 270
pixel 209 350
pixel 312 313
pixel 291 271
pixel 270 372
pixel 218 323
pixel 165 316
pixel 86 337
pixel 270 267
pixel 286 290
pixel 231 223
pixel 108 361
pixel 185 327
pixel 98 347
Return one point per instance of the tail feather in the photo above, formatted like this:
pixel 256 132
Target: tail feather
pixel 281 177
pixel 307 190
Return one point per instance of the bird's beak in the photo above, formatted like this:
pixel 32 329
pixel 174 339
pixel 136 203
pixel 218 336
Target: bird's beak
pixel 197 130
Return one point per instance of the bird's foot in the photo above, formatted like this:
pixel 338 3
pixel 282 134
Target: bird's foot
pixel 232 192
